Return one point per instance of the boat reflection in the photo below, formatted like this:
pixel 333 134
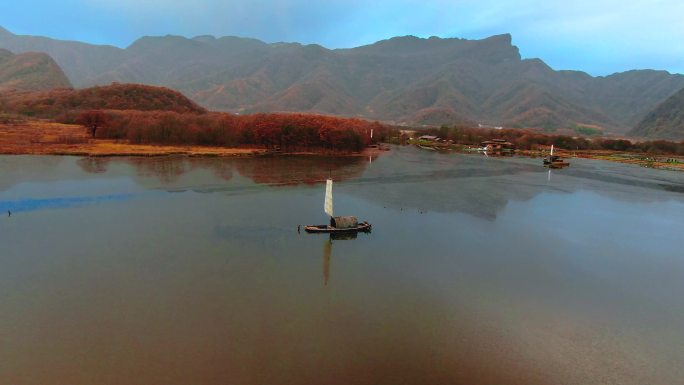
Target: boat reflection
pixel 343 236
pixel 327 252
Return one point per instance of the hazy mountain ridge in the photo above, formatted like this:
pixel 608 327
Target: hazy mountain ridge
pixel 665 121
pixel 30 71
pixel 403 79
pixel 77 60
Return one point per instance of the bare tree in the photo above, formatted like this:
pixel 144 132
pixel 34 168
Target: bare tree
pixel 92 120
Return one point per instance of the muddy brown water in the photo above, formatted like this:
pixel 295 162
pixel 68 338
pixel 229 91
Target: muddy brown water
pixel 478 271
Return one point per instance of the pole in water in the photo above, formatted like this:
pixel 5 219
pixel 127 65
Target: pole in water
pixel 298 229
pixel 9 213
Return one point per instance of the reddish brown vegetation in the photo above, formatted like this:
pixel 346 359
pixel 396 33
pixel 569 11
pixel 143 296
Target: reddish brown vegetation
pixel 289 132
pixel 92 120
pixel 49 138
pixel 64 104
pixel 154 115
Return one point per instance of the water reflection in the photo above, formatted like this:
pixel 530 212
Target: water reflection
pixel 294 170
pixel 167 170
pixel 221 169
pixel 410 188
pixel 406 179
pixel 18 168
pixel 402 179
pixel 327 251
pixel 271 170
pixel 94 164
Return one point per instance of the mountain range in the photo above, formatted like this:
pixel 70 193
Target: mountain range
pixel 405 80
pixel 30 72
pixel 666 121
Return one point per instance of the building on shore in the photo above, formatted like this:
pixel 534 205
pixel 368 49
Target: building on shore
pixel 498 145
pixel 429 138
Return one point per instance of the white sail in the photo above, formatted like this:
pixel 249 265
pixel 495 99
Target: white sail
pixel 328 205
pixel 552 149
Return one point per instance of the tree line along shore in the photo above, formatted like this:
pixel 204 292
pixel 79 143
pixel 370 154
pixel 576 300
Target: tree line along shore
pixel 529 142
pixel 99 133
pixel 131 119
pixel 136 115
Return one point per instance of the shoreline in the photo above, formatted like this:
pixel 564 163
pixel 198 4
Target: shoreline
pixel 111 149
pixel 103 148
pixel 635 158
pixel 646 160
pixel 49 138
pixel 106 148
pixel 100 148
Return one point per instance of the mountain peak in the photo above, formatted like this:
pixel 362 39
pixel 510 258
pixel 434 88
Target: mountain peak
pixel 506 38
pixel 205 38
pixel 30 71
pixel 148 42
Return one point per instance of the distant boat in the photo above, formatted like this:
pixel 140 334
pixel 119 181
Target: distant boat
pixel 555 161
pixel 337 224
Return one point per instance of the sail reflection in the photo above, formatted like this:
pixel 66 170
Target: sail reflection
pixel 327 251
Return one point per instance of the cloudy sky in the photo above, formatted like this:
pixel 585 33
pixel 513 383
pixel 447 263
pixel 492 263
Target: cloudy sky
pixel 597 36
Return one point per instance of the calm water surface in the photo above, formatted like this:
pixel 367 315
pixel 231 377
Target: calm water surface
pixel 478 271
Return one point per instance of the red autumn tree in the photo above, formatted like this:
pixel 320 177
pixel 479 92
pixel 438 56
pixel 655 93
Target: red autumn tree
pixel 92 120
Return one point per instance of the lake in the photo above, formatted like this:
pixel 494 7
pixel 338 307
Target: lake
pixel 478 271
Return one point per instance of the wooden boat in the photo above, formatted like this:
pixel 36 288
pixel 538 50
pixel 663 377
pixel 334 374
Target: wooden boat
pixel 338 225
pixel 558 163
pixel 364 227
pixel 555 161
